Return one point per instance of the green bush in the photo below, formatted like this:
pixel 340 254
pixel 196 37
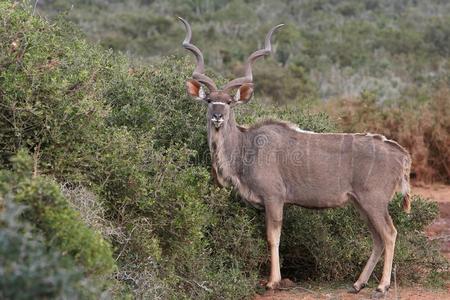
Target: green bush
pixel 31 270
pixel 50 212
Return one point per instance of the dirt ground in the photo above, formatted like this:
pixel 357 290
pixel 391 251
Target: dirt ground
pixel 410 293
pixel 440 229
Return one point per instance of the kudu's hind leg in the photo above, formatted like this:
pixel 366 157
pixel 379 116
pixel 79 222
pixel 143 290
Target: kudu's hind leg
pixel 377 250
pixel 385 227
pixel 378 216
pixel 274 219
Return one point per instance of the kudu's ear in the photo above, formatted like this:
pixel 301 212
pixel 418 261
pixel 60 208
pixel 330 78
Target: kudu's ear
pixel 195 89
pixel 244 93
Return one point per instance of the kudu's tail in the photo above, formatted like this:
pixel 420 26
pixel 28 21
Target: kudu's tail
pixel 406 204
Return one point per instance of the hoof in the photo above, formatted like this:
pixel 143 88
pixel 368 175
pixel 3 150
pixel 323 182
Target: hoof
pixel 380 293
pixel 355 290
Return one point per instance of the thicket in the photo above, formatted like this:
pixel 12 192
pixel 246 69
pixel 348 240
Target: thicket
pixel 110 159
pixel 31 270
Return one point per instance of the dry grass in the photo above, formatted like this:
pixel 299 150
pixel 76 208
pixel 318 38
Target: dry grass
pixel 422 127
pixel 91 211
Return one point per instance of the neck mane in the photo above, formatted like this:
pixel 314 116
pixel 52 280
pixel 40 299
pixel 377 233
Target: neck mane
pixel 225 146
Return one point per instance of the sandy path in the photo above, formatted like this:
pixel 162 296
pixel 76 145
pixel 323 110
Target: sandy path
pixel 409 293
pixel 440 229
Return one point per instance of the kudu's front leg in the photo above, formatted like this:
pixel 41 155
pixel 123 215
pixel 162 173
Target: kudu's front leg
pixel 274 220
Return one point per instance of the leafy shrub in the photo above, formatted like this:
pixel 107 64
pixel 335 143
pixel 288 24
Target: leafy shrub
pixel 50 212
pixel 31 270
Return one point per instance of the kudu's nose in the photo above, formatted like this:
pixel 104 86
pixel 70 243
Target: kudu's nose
pixel 217 116
pixel 217 120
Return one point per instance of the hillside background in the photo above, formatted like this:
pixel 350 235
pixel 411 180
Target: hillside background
pixel 105 186
pixel 396 49
pixel 394 56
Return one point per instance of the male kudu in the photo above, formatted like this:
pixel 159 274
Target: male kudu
pixel 275 163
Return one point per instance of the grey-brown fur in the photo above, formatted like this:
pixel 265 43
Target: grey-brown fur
pixel 307 169
pixel 274 163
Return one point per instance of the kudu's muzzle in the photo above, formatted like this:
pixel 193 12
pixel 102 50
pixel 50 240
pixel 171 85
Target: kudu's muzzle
pixel 217 120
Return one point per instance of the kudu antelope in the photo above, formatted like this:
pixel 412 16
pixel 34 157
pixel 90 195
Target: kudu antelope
pixel 275 163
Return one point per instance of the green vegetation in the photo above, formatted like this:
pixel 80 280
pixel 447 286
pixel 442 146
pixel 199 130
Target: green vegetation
pixel 328 48
pixel 29 269
pixel 50 212
pixel 111 163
